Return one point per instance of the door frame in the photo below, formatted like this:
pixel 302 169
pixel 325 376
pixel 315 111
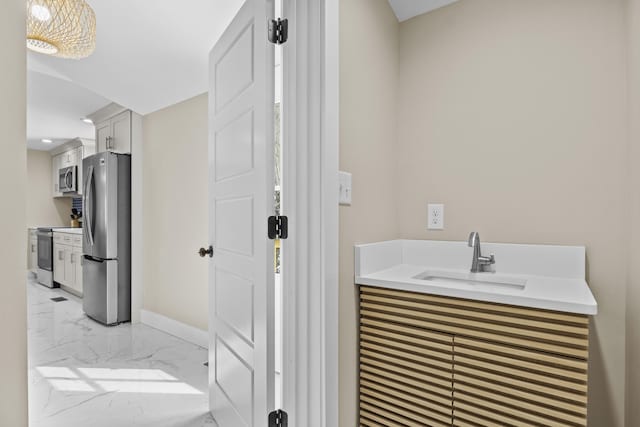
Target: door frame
pixel 310 181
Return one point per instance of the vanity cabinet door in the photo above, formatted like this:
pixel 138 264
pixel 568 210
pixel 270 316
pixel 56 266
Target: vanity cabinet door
pixel 498 385
pixel 493 364
pixel 406 372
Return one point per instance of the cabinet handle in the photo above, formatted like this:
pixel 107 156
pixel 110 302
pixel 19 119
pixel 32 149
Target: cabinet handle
pixel 72 261
pixel 60 255
pixel 33 248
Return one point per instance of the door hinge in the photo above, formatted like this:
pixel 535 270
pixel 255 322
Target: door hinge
pixel 278 31
pixel 278 227
pixel 278 418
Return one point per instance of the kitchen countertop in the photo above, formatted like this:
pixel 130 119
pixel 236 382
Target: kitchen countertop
pixel 554 275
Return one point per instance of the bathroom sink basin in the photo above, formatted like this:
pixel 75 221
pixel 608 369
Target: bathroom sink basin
pixel 476 280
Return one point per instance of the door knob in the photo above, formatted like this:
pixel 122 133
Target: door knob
pixel 204 252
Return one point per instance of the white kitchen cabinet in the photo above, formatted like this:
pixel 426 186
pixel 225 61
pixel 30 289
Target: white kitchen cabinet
pixel 56 165
pixel 103 133
pixel 80 154
pixel 114 134
pixel 67 266
pixel 33 251
pixel 59 263
pixel 68 158
pixel 77 265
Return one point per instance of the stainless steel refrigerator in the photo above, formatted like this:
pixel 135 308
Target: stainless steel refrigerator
pixel 106 268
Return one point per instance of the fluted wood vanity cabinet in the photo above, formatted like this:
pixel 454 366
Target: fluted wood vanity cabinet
pixel 437 361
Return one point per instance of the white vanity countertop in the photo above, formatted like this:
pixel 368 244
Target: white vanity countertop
pixel 554 275
pixel 68 230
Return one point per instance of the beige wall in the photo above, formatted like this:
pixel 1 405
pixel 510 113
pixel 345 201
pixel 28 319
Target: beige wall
pixel 513 114
pixel 368 78
pixel 175 174
pixel 633 289
pixel 13 223
pixel 42 209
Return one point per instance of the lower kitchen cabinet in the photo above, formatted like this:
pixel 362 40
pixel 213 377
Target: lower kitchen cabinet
pixel 33 251
pixel 76 261
pixel 439 361
pixel 58 263
pixel 67 266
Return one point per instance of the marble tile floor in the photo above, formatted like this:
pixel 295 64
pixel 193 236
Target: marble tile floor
pixel 83 374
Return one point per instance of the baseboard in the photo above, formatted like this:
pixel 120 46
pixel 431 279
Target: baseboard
pixel 173 327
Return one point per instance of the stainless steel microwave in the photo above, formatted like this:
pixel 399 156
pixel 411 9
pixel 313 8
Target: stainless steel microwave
pixel 68 179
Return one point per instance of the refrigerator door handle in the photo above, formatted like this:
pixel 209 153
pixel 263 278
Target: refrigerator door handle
pixel 88 200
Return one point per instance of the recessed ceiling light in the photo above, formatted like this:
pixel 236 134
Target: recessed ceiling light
pixel 47 141
pixel 86 120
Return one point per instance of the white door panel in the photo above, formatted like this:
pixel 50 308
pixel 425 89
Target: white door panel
pixel 234 147
pixel 241 351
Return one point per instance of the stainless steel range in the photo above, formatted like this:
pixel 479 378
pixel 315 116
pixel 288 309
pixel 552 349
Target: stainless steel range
pixel 45 257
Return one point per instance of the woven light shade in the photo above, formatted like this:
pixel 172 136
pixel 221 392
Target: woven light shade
pixel 63 28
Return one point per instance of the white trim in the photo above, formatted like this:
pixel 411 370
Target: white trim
pixel 310 199
pixel 181 330
pixel 106 112
pixel 73 143
pixel 137 217
pixel 330 130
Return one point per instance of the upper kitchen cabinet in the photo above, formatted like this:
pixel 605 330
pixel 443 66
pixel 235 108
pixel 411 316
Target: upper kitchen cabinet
pixel 69 158
pixel 115 128
pixel 115 134
pixel 56 162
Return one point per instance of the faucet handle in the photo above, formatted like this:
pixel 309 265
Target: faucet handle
pixel 492 259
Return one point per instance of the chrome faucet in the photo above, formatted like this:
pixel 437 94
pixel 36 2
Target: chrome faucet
pixel 479 262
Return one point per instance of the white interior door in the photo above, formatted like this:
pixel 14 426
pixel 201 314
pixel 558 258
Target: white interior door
pixel 241 164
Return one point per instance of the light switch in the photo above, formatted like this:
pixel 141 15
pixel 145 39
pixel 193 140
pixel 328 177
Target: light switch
pixel 345 188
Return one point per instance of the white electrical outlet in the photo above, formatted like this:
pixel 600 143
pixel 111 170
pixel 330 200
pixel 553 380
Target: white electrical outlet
pixel 435 216
pixel 345 188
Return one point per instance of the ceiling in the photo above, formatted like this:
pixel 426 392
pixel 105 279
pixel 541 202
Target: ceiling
pixel 407 9
pixel 54 110
pixel 150 54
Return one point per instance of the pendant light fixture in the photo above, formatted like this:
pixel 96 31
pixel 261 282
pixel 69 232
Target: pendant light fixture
pixel 62 28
